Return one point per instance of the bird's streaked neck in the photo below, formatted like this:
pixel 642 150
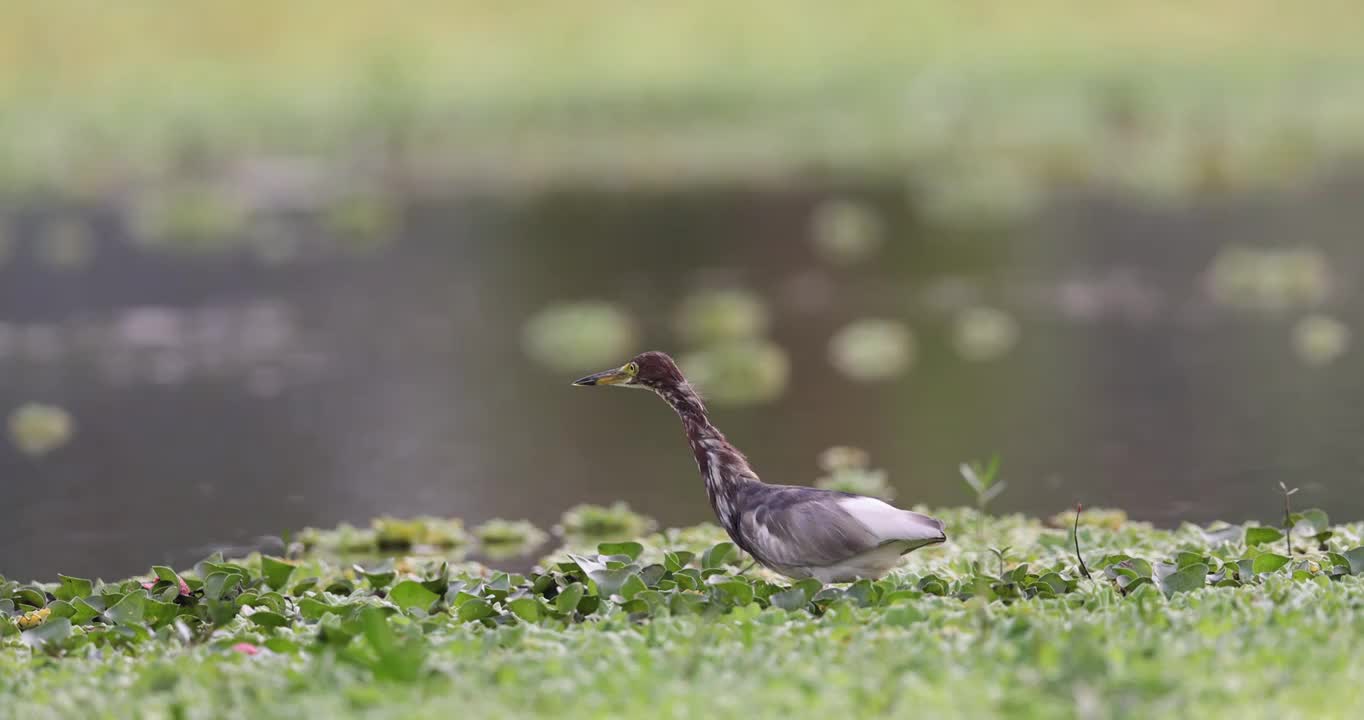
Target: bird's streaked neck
pixel 722 466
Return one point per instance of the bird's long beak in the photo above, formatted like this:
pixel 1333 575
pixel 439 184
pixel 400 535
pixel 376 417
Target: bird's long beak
pixel 613 376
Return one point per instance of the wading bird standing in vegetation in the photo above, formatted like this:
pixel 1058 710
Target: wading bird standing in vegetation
pixel 799 532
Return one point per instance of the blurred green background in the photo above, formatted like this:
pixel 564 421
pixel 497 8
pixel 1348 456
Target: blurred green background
pixel 272 265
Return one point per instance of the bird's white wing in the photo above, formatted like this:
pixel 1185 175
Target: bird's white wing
pixel 804 527
pixel 889 523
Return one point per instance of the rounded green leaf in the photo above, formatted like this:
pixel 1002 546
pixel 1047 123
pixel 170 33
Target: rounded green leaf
pixel 569 597
pixel 475 609
pixel 1267 562
pixel 1189 578
pixel 526 608
pixel 410 593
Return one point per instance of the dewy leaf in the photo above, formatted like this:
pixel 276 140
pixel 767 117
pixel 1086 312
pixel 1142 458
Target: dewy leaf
pixel 1262 535
pixel 1267 562
pixel 410 593
pixel 1189 578
pixel 276 572
pixel 631 550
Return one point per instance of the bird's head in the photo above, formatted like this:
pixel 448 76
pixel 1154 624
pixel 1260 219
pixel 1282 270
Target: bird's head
pixel 650 370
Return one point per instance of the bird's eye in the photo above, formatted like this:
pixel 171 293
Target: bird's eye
pixel 632 369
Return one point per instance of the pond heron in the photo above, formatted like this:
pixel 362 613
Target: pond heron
pixel 797 531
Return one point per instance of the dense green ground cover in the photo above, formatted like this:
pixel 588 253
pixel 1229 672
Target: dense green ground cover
pixel 1195 622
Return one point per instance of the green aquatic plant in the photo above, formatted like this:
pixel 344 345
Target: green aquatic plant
pixel 1269 279
pixel 983 333
pixel 262 635
pixel 740 372
pixel 711 317
pixel 404 534
pixel 570 336
pixel 1320 340
pixel 846 470
pixel 597 522
pixel 38 429
pixel 845 232
pixel 498 538
pixel 872 350
pixel 984 481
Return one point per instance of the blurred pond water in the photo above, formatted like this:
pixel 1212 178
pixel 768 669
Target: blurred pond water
pixel 223 397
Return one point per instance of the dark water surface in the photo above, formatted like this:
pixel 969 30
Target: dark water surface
pixel 221 399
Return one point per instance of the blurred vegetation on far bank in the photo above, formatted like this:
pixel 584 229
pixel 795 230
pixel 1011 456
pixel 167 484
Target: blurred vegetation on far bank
pixel 1166 98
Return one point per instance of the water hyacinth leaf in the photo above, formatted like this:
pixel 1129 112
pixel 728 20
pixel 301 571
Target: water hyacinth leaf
pixel 303 586
pixel 902 615
pixel 314 609
pixel 51 631
pixel 676 560
pixel 276 572
pixel 740 592
pixel 1054 581
pixel 609 582
pixel 1222 535
pixel 379 578
pixel 569 597
pixel 1262 535
pixel 790 599
pixel 1356 560
pixel 282 646
pixel 33 597
pixel 718 555
pixel 61 608
pixel 631 550
pixel 130 609
pixel 410 593
pixel 1311 522
pixel 1189 578
pixel 269 620
pixel 526 608
pixel 71 588
pixel 652 574
pixel 475 609
pixel 1268 562
pixel 219 584
pixel 633 586
pixel 686 603
pixel 1185 559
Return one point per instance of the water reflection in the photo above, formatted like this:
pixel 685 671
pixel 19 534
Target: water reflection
pixel 226 398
